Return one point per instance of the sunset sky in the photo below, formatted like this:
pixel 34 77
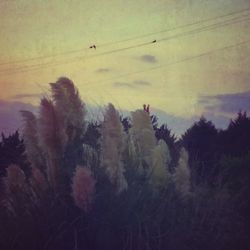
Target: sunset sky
pixel 199 64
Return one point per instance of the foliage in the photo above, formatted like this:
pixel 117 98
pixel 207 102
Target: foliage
pixel 112 146
pixel 182 174
pixel 12 152
pixel 235 140
pixel 200 140
pixel 83 188
pixel 164 133
pixel 139 188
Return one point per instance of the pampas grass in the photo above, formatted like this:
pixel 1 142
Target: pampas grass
pixel 50 139
pixel 19 198
pixel 144 140
pixel 182 175
pixel 69 107
pixel 31 140
pixel 39 181
pixel 15 179
pixel 83 188
pixel 108 192
pixel 160 164
pixel 112 147
pixel 59 126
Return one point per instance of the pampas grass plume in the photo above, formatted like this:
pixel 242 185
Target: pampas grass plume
pixel 83 188
pixel 182 174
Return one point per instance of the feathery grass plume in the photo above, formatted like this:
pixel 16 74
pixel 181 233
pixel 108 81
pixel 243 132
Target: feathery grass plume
pixel 15 179
pixel 112 147
pixel 6 205
pixel 131 150
pixel 83 188
pixel 50 139
pixel 143 135
pixel 182 174
pixel 161 159
pixel 49 128
pixel 90 156
pixel 13 183
pixel 1 190
pixel 69 107
pixel 5 201
pixel 18 195
pixel 30 136
pixel 38 181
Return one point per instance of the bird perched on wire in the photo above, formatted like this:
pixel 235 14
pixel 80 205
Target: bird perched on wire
pixel 92 46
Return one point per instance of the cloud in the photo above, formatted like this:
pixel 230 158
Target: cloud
pixel 134 84
pixel 22 96
pixel 123 84
pixel 226 103
pixel 103 70
pixel 142 83
pixel 219 120
pixel 148 59
pixel 10 117
pixel 177 124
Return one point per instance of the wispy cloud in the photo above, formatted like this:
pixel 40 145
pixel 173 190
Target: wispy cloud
pixel 135 84
pixel 23 96
pixel 226 103
pixel 142 83
pixel 180 124
pixel 123 84
pixel 10 118
pixel 148 59
pixel 103 70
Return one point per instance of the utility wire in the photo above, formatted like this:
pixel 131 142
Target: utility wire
pixel 207 28
pixel 125 40
pixel 176 28
pixel 43 57
pixel 186 59
pixel 191 32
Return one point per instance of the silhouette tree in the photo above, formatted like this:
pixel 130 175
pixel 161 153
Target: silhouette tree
pixel 92 135
pixel 201 142
pixel 154 121
pixel 235 140
pixel 12 152
pixel 235 177
pixel 164 133
pixel 126 123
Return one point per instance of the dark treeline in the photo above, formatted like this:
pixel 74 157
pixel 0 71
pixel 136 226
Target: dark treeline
pixel 198 200
pixel 218 160
pixel 208 147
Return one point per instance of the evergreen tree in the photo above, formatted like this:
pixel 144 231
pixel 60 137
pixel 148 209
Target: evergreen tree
pixel 12 152
pixel 235 140
pixel 201 142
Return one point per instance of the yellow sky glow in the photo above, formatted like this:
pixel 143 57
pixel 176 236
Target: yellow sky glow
pixel 38 28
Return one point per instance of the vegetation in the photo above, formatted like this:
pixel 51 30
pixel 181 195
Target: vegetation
pixel 122 183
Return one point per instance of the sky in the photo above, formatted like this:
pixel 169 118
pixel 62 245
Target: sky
pixel 199 64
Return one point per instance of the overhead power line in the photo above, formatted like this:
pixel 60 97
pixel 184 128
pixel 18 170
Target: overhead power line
pixel 183 60
pixel 207 28
pixel 28 68
pixel 176 28
pixel 125 40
